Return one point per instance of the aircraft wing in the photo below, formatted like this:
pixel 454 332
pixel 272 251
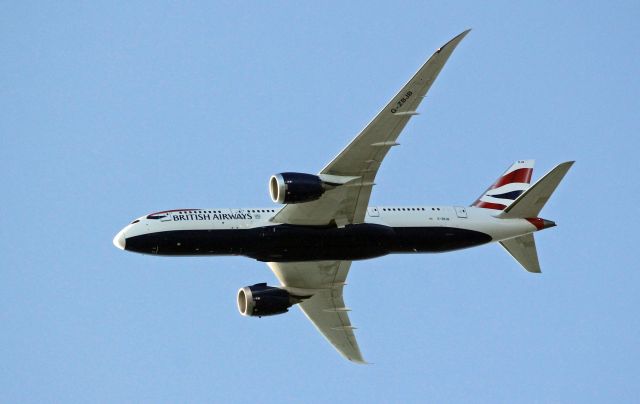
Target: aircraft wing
pixel 361 159
pixel 325 308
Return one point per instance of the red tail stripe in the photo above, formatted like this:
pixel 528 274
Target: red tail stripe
pixel 519 175
pixel 489 205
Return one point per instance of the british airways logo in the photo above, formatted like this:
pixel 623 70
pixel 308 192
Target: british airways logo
pixel 188 214
pixel 214 216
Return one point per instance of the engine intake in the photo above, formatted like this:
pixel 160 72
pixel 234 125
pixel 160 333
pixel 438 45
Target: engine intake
pixel 264 300
pixel 295 187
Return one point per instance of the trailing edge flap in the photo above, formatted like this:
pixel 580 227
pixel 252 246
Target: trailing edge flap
pixel 531 202
pixel 523 249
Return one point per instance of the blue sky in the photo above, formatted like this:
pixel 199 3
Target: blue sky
pixel 112 110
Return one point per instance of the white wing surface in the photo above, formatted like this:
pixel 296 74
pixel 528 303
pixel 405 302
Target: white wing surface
pixel 362 157
pixel 356 168
pixel 324 280
pixel 523 250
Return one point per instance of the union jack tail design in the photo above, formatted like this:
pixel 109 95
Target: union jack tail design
pixel 508 187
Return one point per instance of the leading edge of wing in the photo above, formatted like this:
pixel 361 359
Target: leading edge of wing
pixel 399 108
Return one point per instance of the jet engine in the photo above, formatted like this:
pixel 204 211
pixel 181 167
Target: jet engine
pixel 264 300
pixel 296 187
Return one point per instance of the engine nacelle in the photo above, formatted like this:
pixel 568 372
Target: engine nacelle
pixel 295 187
pixel 264 300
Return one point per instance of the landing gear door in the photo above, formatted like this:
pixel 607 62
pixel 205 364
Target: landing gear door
pixel 373 211
pixel 461 212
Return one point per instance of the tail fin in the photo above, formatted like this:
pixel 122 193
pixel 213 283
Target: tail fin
pixel 530 202
pixel 528 205
pixel 507 187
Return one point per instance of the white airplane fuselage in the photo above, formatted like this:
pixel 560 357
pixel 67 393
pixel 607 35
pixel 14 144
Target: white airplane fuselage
pixel 386 230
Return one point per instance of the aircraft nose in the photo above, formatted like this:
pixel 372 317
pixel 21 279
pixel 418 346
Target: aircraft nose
pixel 119 240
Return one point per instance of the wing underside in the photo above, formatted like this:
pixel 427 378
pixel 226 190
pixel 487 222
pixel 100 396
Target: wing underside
pixel 325 281
pixel 357 164
pixel 362 158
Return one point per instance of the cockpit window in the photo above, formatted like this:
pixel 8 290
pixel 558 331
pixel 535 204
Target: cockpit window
pixel 135 221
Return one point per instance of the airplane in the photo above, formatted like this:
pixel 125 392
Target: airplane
pixel 326 222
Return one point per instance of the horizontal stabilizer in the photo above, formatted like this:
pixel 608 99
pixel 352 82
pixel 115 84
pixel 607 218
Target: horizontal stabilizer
pixel 523 249
pixel 531 202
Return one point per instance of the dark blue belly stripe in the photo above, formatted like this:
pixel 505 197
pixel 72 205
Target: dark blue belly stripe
pixel 282 243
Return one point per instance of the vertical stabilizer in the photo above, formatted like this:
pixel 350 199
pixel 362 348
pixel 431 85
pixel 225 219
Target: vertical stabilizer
pixel 523 249
pixel 507 187
pixel 527 206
